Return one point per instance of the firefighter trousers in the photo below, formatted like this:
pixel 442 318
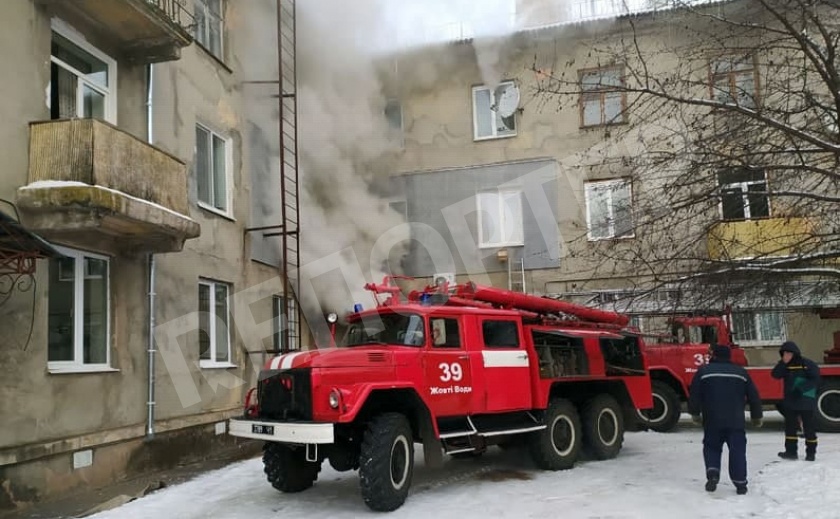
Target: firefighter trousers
pixel 809 427
pixel 736 442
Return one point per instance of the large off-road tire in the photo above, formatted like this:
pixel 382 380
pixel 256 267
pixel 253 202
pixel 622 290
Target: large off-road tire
pixel 603 427
pixel 287 469
pixel 828 406
pixel 386 463
pixel 666 408
pixel 557 447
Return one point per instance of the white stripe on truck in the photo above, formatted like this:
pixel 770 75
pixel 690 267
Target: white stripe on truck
pixel 505 359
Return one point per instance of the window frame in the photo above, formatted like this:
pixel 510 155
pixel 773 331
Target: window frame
pixel 63 29
pixel 588 189
pixel 499 193
pixel 209 18
pixel 228 211
pixel 77 365
pixel 744 188
pixel 732 75
pixel 601 93
pixel 212 362
pixel 493 101
pixel 756 322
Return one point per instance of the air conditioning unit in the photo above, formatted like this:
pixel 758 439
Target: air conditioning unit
pixel 444 277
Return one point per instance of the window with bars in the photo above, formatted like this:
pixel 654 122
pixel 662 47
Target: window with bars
pixel 602 101
pixel 210 25
pixel 214 323
pixel 758 328
pixel 743 194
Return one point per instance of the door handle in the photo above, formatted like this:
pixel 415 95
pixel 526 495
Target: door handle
pixel 523 356
pixel 464 357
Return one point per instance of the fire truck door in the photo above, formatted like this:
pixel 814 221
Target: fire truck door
pixel 506 365
pixel 447 369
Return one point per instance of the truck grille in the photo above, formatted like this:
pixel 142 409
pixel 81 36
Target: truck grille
pixel 286 395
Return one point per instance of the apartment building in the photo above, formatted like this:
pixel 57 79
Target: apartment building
pixel 509 186
pixel 143 162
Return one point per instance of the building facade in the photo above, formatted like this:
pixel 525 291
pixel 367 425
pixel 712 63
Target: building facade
pixel 507 185
pixel 142 140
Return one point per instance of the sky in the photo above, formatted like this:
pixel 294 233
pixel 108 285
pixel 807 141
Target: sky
pixel 656 476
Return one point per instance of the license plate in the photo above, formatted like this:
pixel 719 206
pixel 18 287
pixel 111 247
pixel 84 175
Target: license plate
pixel 262 429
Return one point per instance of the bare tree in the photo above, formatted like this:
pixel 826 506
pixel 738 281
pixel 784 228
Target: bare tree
pixel 732 111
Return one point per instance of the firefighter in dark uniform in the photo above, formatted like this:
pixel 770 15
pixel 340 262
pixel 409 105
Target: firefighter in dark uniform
pixel 719 391
pixel 801 379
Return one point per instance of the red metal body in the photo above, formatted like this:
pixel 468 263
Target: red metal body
pixel 676 360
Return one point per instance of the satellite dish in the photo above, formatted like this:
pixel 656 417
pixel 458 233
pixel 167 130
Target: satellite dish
pixel 508 102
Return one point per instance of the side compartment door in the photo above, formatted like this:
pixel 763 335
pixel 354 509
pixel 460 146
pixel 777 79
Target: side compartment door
pixel 507 372
pixel 447 369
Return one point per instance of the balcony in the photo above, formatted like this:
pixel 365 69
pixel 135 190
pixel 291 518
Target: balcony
pixel 144 31
pixel 760 238
pixel 98 188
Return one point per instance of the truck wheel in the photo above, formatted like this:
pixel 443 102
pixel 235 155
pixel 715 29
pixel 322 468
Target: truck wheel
pixel 603 427
pixel 828 406
pixel 666 408
pixel 386 462
pixel 287 469
pixel 557 447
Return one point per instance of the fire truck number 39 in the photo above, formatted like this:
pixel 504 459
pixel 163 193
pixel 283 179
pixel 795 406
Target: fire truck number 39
pixel 700 359
pixel 450 372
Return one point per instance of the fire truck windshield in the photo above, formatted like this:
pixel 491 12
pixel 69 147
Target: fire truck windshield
pixel 389 329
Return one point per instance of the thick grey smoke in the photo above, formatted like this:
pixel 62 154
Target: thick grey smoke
pixel 342 128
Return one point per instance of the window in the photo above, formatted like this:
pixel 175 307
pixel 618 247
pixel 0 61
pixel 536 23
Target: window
pixel 285 324
pixel 387 329
pixel 213 323
pixel 445 333
pixel 211 169
pixel 758 328
pixel 609 209
pixel 82 79
pixel 743 194
pixel 79 313
pixel 488 123
pixel 500 334
pixel 601 100
pixel 210 25
pixel 500 218
pixel 394 116
pixel 733 80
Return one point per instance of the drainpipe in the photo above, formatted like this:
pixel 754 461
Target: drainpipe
pixel 150 404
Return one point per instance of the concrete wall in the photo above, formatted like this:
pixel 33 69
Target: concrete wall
pixel 46 417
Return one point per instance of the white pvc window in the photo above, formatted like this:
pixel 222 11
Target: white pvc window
pixel 758 328
pixel 212 170
pixel 79 304
pixel 609 209
pixel 213 323
pixel 488 123
pixel 210 25
pixel 83 79
pixel 500 218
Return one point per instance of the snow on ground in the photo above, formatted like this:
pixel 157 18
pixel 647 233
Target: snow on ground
pixel 656 476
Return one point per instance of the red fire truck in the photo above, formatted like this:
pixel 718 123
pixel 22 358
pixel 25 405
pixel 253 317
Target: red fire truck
pixel 674 362
pixel 456 370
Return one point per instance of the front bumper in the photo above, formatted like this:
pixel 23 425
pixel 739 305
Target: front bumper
pixel 283 432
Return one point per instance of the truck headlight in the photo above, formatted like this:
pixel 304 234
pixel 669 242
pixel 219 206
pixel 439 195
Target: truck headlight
pixel 335 398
